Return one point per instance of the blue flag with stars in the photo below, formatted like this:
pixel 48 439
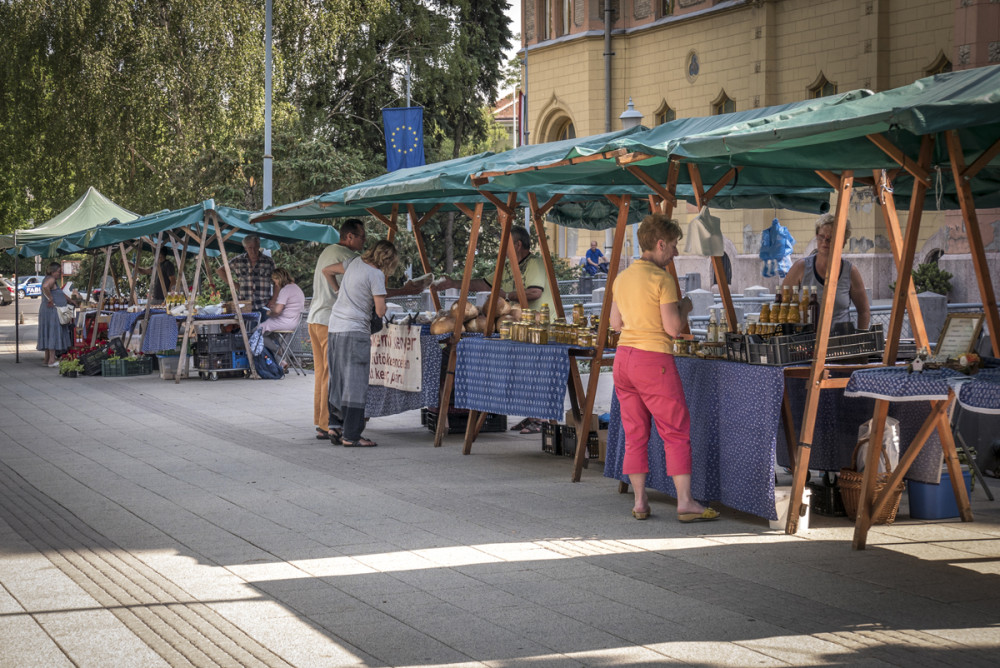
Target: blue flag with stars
pixel 404 137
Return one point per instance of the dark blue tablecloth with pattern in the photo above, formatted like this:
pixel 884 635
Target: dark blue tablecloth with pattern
pixel 124 321
pixel 898 384
pixel 381 401
pixel 511 378
pixel 837 422
pixel 162 329
pixel 979 393
pixel 735 413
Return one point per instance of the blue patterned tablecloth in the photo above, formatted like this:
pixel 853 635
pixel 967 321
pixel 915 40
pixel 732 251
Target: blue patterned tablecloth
pixel 837 421
pixel 162 329
pixel 124 321
pixel 897 384
pixel 735 415
pixel 511 378
pixel 381 401
pixel 979 393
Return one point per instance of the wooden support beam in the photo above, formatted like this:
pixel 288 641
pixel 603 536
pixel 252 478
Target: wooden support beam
pixel 975 234
pixel 701 199
pixel 537 213
pixel 103 298
pixel 652 184
pixel 630 158
pixel 832 179
pixel 182 359
pixel 891 150
pixel 449 380
pixel 819 359
pixel 475 418
pixel 983 160
pixel 498 203
pixel 418 236
pixel 602 336
pixel 482 177
pixel 722 183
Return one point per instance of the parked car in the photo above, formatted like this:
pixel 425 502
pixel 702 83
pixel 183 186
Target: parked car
pixel 6 292
pixel 30 286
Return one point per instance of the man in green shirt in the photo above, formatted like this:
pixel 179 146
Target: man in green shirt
pixel 536 279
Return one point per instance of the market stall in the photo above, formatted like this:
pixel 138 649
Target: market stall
pixel 877 132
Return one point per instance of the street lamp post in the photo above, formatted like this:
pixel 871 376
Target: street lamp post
pixel 268 158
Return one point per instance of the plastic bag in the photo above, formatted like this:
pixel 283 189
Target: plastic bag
pixel 890 443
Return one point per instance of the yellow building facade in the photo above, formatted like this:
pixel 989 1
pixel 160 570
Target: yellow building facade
pixel 685 58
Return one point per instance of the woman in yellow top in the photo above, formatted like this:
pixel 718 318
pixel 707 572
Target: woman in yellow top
pixel 646 310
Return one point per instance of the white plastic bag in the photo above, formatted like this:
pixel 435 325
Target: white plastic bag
pixel 890 443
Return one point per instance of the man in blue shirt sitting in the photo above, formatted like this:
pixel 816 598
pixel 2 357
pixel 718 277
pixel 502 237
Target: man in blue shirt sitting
pixel 596 262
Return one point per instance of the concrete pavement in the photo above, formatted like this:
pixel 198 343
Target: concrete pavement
pixel 144 523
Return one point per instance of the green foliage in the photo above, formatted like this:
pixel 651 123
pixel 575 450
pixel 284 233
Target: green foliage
pixel 929 277
pixel 70 364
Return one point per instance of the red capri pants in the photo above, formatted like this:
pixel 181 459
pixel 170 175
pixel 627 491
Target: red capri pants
pixel 648 385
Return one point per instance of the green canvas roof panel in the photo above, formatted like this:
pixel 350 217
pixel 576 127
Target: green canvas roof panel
pixel 92 210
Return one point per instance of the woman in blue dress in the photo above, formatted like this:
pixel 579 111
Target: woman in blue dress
pixel 53 337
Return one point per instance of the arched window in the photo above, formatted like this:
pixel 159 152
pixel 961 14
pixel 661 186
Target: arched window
pixel 565 131
pixel 822 87
pixel 723 104
pixel 940 65
pixel 664 113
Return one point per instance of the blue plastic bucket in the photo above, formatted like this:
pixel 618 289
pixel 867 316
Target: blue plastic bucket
pixel 935 502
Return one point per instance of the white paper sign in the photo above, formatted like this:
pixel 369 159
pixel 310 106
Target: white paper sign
pixel 395 358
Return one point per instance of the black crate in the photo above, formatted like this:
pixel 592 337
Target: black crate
pixel 458 419
pixel 569 443
pixel 219 343
pixel 552 438
pixel 799 348
pixel 736 347
pixel 93 360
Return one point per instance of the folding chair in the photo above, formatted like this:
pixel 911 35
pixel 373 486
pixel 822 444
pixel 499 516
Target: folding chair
pixel 288 342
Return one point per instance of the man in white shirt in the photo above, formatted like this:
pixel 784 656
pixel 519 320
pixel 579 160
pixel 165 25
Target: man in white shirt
pixel 352 240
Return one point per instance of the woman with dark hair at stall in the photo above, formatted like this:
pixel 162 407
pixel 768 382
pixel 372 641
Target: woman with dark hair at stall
pixel 361 294
pixel 53 336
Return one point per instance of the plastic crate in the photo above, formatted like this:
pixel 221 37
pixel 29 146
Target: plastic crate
pixel 141 366
pixel 552 438
pixel 569 443
pixel 113 368
pixel 935 502
pixel 799 348
pixel 124 367
pixel 93 361
pixel 219 343
pixel 736 347
pixel 458 419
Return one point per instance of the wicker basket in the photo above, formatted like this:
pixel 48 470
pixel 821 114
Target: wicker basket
pixel 849 482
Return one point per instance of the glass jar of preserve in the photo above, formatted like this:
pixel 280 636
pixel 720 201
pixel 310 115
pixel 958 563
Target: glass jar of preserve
pixel 578 314
pixel 504 328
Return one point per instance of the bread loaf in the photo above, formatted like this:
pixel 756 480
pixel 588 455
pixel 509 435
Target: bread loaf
pixel 470 311
pixel 477 324
pixel 443 325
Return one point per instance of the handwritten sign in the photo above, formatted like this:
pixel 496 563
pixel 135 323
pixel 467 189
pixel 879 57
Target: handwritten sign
pixel 395 358
pixel 958 335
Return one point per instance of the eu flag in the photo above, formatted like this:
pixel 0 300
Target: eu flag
pixel 404 137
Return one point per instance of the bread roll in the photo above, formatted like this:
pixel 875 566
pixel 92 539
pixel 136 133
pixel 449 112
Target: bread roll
pixel 470 311
pixel 477 324
pixel 443 325
pixel 515 311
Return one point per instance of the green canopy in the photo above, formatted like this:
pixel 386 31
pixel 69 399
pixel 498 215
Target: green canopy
pixel 92 210
pixel 271 232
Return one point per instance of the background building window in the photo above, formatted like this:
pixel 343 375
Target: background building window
pixel 565 18
pixel 940 65
pixel 822 88
pixel 566 131
pixel 664 114
pixel 723 104
pixel 545 22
